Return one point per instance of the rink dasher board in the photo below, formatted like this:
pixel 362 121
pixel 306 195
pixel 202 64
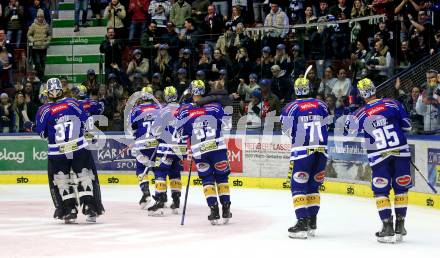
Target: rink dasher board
pixel 330 186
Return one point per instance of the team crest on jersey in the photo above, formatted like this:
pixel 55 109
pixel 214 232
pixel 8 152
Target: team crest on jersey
pixel 202 167
pixel 58 108
pixel 307 105
pixel 320 177
pixel 221 165
pixel 403 180
pixel 380 182
pixel 376 109
pixel 87 105
pixel 301 177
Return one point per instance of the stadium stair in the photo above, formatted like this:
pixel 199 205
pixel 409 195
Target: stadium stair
pixel 73 53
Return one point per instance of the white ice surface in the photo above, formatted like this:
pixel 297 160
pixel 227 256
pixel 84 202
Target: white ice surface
pixel 346 226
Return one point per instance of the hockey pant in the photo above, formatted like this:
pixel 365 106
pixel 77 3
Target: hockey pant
pixel 213 169
pixel 144 160
pixel 308 174
pixel 171 166
pixel 64 187
pixel 393 172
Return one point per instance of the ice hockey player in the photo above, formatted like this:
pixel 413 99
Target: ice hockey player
pixel 61 123
pixel 303 120
pixel 171 152
pixel 384 122
pixel 142 119
pixel 202 124
pixel 91 107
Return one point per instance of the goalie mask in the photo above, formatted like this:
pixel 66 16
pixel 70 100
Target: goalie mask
pixel 54 88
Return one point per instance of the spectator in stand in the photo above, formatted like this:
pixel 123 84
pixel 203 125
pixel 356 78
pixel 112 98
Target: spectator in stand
pixel 205 63
pixel 281 58
pixel 6 61
pixel 115 14
pixel 410 104
pixel 138 64
pixel 172 39
pixel 112 49
pixel 298 63
pixel 280 84
pixel 341 11
pixel 436 48
pixel 23 111
pixel 91 82
pixel 157 83
pixel 29 94
pixel 265 62
pixel 270 101
pixel 226 42
pixel 236 17
pixel 81 5
pixel 358 59
pixel 95 5
pixel 199 9
pixel 150 40
pixel 328 82
pixel 163 63
pixel 428 104
pixel 314 82
pixel 254 110
pixel 222 6
pixel 241 39
pixel 359 9
pixel 180 11
pixel 39 35
pixel 6 114
pixel 246 90
pixel 424 26
pixel 213 26
pixel 182 81
pixel 67 89
pixel 185 61
pixel 295 11
pixel 190 39
pixel 138 11
pixel 323 9
pixel 278 19
pixel 405 57
pixel 380 64
pixel 14 15
pixel 243 64
pixel 33 11
pixel 218 63
pixel 342 85
pixel 159 11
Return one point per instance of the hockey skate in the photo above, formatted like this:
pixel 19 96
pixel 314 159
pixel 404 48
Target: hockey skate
pixel 90 212
pixel 400 230
pixel 386 235
pixel 311 221
pixel 157 209
pixel 146 196
pixel 226 212
pixel 176 202
pixel 300 230
pixel 215 214
pixel 71 217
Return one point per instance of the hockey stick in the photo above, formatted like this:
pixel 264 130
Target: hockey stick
pixel 307 71
pixel 186 192
pixel 423 176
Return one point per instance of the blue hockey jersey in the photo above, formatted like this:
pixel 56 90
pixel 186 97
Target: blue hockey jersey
pixel 172 141
pixel 142 119
pixel 203 124
pixel 383 122
pixel 303 120
pixel 92 107
pixel 62 124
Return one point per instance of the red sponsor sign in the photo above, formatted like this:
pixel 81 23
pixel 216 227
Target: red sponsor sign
pixel 376 109
pixel 403 180
pixel 307 105
pixel 58 108
pixel 221 165
pixel 144 109
pixel 87 105
pixel 197 112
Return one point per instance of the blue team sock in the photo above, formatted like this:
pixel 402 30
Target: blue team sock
pixel 383 206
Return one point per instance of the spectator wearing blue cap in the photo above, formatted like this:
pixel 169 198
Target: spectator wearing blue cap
pixel 138 64
pixel 157 82
pixel 270 101
pixel 254 110
pixel 265 62
pixel 182 81
pixel 281 58
pixel 245 90
pixel 185 60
